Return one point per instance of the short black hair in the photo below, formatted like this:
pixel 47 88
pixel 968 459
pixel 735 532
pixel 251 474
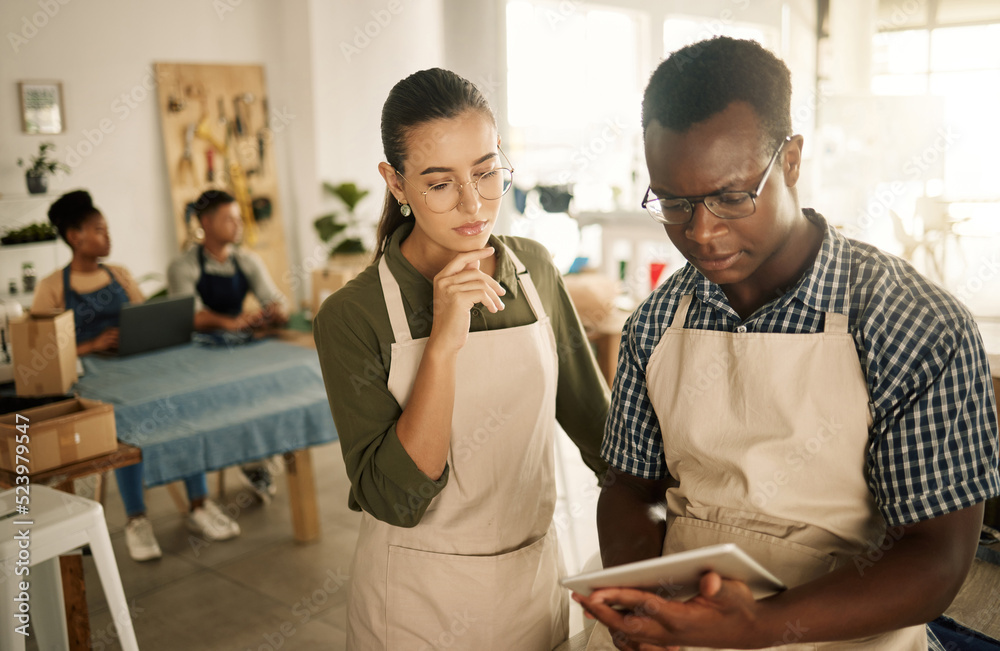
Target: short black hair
pixel 698 81
pixel 71 210
pixel 210 200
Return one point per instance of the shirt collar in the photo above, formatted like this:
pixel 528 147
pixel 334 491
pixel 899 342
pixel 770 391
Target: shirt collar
pixel 412 282
pixel 824 288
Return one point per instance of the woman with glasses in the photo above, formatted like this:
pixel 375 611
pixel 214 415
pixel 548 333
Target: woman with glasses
pixel 447 364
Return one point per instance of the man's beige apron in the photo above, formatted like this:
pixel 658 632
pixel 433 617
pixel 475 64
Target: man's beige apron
pixel 481 569
pixel 767 435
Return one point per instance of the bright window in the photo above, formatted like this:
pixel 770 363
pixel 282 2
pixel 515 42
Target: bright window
pixel 962 65
pixel 679 31
pixel 575 77
pixel 574 90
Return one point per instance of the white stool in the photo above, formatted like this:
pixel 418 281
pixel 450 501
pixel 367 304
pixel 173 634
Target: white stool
pixel 62 522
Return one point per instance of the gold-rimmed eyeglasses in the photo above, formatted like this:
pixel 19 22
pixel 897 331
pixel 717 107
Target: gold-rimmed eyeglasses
pixel 675 211
pixel 445 196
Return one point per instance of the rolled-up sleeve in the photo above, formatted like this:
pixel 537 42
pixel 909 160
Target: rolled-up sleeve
pixel 261 283
pixel 934 443
pixel 582 396
pixel 385 481
pixel 182 278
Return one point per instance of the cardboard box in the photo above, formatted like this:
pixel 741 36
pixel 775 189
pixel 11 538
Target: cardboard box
pixel 334 276
pixel 59 433
pixel 593 296
pixel 44 351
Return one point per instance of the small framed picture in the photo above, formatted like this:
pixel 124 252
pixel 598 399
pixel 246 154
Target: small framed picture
pixel 41 107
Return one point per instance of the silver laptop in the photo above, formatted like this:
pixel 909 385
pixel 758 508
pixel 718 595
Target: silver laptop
pixel 156 324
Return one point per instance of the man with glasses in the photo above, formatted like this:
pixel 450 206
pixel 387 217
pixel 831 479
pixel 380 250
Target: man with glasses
pixel 802 395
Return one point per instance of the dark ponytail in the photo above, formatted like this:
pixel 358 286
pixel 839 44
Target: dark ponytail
pixel 390 220
pixel 422 97
pixel 70 211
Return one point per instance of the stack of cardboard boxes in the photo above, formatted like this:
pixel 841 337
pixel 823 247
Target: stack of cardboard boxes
pixel 62 432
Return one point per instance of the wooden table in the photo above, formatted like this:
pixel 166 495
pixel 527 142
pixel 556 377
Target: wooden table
pixel 71 567
pixel 195 409
pixel 140 394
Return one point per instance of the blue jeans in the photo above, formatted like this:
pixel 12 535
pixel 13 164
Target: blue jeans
pixel 954 636
pixel 130 486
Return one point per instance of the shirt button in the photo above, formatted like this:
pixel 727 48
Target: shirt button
pixel 475 311
pixel 741 328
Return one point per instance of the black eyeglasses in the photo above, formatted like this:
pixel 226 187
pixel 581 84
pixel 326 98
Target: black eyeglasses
pixel 491 185
pixel 724 205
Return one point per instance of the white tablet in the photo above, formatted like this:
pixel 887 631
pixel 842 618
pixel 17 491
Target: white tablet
pixel 676 576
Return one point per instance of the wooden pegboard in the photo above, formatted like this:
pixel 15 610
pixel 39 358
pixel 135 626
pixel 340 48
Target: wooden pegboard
pixel 221 113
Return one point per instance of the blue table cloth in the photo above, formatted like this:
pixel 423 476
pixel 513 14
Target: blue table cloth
pixel 194 408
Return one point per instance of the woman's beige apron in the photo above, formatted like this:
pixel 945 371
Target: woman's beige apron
pixel 481 569
pixel 767 435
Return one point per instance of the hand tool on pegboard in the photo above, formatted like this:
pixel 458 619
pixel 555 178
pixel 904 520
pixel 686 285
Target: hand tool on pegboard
pixel 186 166
pixel 237 120
pixel 237 177
pixel 209 165
pixel 262 135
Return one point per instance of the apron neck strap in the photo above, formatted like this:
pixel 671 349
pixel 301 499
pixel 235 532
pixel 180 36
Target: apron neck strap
pixel 527 286
pixel 66 276
pixel 835 322
pixel 680 316
pixel 394 303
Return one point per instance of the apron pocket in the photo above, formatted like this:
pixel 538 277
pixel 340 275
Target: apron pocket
pixel 451 601
pixel 791 562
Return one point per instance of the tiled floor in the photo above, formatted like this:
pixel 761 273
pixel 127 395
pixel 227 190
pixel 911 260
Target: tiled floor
pixel 259 591
pixel 263 591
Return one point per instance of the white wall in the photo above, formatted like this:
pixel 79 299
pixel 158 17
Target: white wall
pixel 329 66
pixel 103 52
pixel 475 47
pixel 360 50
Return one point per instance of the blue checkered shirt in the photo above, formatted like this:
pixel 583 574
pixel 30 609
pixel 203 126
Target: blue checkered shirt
pixel 933 444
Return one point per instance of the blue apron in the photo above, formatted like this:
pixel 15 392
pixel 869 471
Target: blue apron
pixel 222 294
pixel 97 311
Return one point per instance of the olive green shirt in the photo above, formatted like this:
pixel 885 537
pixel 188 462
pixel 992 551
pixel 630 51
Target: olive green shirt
pixel 353 336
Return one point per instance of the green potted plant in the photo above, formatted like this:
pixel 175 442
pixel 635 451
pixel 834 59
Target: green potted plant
pixel 340 230
pixel 39 232
pixel 40 167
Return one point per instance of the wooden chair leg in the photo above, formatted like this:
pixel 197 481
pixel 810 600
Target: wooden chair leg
pixel 74 592
pixel 100 487
pixel 221 483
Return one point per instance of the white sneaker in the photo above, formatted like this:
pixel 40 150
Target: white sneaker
pixel 142 545
pixel 211 523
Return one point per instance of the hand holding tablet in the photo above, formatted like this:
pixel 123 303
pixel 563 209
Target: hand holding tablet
pixel 677 576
